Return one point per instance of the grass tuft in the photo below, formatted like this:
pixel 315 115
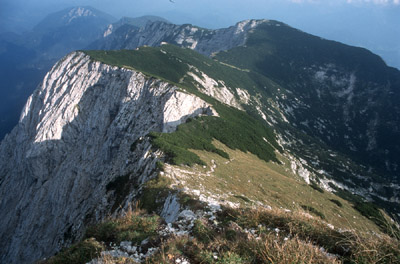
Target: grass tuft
pixel 81 252
pixel 238 236
pixel 134 227
pixel 313 211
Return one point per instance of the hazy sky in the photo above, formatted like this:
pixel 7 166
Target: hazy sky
pixel 374 24
pixel 215 13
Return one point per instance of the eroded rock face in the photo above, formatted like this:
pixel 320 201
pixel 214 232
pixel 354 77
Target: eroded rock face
pixel 74 137
pixel 202 40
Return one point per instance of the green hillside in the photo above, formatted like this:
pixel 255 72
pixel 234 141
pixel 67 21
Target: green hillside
pixel 269 55
pixel 272 215
pixel 237 129
pixel 355 89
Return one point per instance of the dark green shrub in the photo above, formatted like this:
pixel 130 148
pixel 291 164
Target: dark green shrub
pixel 139 228
pixel 230 234
pixel 121 186
pixel 202 232
pixel 244 198
pixel 160 165
pixel 315 186
pixel 337 202
pixel 105 231
pixel 369 210
pixel 154 194
pixel 79 253
pixel 313 211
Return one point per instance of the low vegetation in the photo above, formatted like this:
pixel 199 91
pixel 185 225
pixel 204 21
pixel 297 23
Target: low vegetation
pixel 275 236
pixel 316 187
pixel 237 131
pixel 337 202
pixel 154 194
pixel 134 228
pixel 246 180
pixel 235 128
pixel 313 211
pixel 241 151
pixel 236 236
pixel 81 252
pixel 241 235
pixel 372 212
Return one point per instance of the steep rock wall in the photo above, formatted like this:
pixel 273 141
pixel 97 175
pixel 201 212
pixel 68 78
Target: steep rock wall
pixel 74 137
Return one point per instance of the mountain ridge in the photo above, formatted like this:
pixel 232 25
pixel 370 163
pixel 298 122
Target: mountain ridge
pixel 90 140
pixel 327 172
pixel 202 40
pixel 46 141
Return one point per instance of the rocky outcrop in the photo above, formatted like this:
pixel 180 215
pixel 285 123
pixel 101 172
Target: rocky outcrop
pixel 74 137
pixel 204 41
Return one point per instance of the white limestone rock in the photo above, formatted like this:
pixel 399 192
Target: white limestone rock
pixel 182 106
pixel 170 211
pixel 202 40
pixel 213 88
pixel 73 138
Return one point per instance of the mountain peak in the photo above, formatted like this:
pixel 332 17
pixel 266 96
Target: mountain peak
pixel 71 16
pixel 77 12
pixel 248 24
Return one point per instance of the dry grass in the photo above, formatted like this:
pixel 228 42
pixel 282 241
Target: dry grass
pixel 292 251
pixel 134 226
pixel 80 252
pixel 250 234
pixel 241 247
pixel 247 180
pixel 378 249
pixel 353 246
pixel 241 236
pixel 107 259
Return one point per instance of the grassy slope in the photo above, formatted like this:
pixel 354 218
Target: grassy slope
pixel 244 178
pixel 235 236
pixel 247 180
pixel 286 55
pixel 282 52
pixel 170 63
pixel 235 128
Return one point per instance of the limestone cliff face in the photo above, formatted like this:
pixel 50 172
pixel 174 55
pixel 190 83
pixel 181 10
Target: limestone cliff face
pixel 202 40
pixel 74 137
